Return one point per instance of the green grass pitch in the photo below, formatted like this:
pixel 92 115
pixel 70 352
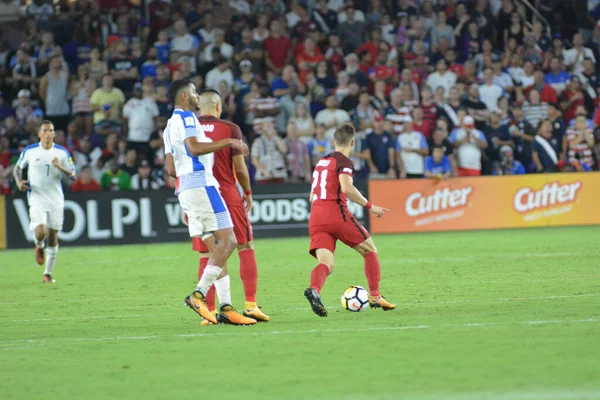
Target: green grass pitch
pixel 510 315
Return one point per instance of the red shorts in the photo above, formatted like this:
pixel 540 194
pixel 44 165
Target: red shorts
pixel 241 228
pixel 349 232
pixel 468 172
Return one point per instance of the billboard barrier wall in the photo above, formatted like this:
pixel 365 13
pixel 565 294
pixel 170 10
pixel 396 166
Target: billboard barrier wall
pixel 518 201
pixel 155 216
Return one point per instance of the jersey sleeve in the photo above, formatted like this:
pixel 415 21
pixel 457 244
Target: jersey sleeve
pixel 236 133
pixel 189 124
pixel 345 166
pixel 67 161
pixel 23 159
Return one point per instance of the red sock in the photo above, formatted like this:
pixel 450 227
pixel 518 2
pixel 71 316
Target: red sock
pixel 318 277
pixel 249 273
pixel 210 295
pixel 373 273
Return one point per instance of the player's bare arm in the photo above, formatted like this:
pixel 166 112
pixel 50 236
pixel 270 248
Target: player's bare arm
pixel 69 172
pixel 243 177
pixel 23 185
pixel 197 148
pixel 347 185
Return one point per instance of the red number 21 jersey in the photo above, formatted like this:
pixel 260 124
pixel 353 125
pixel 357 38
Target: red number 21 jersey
pixel 328 200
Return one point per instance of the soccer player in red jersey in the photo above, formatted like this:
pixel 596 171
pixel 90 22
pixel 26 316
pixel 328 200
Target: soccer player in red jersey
pixel 229 164
pixel 331 221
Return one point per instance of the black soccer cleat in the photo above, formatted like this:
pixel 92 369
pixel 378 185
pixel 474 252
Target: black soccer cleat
pixel 315 302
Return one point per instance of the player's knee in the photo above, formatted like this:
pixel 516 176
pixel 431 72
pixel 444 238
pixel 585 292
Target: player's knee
pixel 245 246
pixel 228 241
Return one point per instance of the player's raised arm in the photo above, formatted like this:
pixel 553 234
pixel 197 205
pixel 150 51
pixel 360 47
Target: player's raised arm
pixel 185 100
pixel 196 148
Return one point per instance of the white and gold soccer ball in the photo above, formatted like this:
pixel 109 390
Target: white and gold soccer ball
pixel 355 299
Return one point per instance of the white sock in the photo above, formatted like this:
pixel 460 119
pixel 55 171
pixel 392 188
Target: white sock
pixel 40 244
pixel 50 259
pixel 223 289
pixel 209 276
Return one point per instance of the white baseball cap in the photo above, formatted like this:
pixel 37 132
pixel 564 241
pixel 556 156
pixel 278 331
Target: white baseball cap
pixel 469 122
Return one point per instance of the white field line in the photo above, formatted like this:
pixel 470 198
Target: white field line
pixel 21 342
pixel 6 321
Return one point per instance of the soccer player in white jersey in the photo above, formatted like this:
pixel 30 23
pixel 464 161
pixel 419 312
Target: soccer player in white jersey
pixel 46 162
pixel 200 200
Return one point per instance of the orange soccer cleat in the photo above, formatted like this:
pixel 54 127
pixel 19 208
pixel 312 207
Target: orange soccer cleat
pixel 228 315
pixel 48 279
pixel 381 302
pixel 257 314
pixel 206 322
pixel 197 302
pixel 39 255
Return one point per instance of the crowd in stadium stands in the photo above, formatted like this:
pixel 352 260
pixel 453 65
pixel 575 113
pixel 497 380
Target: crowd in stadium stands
pixel 435 88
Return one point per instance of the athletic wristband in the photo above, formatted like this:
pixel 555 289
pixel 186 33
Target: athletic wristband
pixel 248 192
pixel 368 206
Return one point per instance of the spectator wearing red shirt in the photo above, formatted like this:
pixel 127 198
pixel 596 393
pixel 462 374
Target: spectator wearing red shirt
pixel 431 110
pixel 420 124
pixel 85 183
pixel 278 51
pixel 571 97
pixel 308 59
pixel 372 46
pixel 335 53
pixel 409 63
pixel 450 56
pixel 305 26
pixel 547 92
pixel 381 72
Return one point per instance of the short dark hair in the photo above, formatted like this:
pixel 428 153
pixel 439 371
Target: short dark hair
pixel 344 134
pixel 45 122
pixel 176 87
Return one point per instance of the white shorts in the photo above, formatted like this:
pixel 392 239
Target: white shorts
pixel 206 211
pixel 40 215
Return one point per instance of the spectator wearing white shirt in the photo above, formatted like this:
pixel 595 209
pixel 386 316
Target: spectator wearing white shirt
pixel 225 48
pixel 489 92
pixel 411 150
pixel 574 56
pixel 502 78
pixel 332 117
pixel 207 32
pixel 441 77
pixel 185 44
pixel 221 72
pixel 469 143
pixel 359 16
pixel 140 114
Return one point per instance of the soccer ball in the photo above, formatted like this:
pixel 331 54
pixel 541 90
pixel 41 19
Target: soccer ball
pixel 355 299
